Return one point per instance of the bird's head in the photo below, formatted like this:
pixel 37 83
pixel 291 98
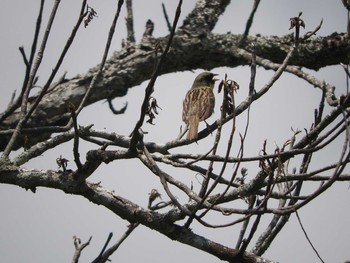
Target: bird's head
pixel 205 79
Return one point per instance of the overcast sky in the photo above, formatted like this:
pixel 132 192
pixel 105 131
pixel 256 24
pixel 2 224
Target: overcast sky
pixel 39 227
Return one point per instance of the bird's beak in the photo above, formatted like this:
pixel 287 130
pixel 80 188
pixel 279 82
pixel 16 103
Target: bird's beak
pixel 215 79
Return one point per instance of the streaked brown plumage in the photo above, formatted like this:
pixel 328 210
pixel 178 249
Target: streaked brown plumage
pixel 199 103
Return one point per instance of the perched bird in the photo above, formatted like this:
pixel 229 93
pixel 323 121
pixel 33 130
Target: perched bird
pixel 199 103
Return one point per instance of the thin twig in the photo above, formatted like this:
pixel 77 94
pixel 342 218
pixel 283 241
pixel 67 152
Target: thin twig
pixel 200 157
pixel 76 138
pixel 251 202
pixel 130 22
pixel 269 189
pixel 250 20
pixel 307 35
pixel 346 69
pixel 252 73
pixel 12 98
pixel 166 18
pixel 78 248
pixel 307 237
pixel 245 223
pixel 245 242
pixel 337 172
pixel 99 257
pixel 104 257
pixel 23 53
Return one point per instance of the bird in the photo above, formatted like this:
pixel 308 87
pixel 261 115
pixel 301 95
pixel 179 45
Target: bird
pixel 199 103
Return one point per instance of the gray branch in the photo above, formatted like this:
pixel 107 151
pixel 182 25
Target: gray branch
pixel 128 68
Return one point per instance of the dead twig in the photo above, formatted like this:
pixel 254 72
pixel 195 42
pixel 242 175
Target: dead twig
pixel 79 248
pixel 76 138
pixel 130 22
pixel 166 18
pixel 105 254
pixel 250 20
pixel 100 256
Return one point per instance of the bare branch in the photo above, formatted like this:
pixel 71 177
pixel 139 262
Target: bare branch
pixel 245 223
pixel 250 20
pixel 106 254
pixel 308 239
pixel 271 190
pixel 99 258
pixel 79 248
pixel 166 18
pixel 25 60
pixel 130 22
pixel 76 137
pixel 119 82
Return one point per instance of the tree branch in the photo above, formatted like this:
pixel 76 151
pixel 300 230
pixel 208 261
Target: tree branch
pixel 103 257
pixel 79 248
pixel 250 19
pixel 130 22
pixel 115 83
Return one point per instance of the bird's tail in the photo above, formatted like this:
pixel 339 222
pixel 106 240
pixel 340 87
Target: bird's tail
pixel 193 127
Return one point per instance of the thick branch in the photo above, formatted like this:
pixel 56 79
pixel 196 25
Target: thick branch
pixel 126 69
pixel 163 223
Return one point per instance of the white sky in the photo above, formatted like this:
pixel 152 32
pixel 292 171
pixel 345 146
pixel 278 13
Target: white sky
pixel 39 227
